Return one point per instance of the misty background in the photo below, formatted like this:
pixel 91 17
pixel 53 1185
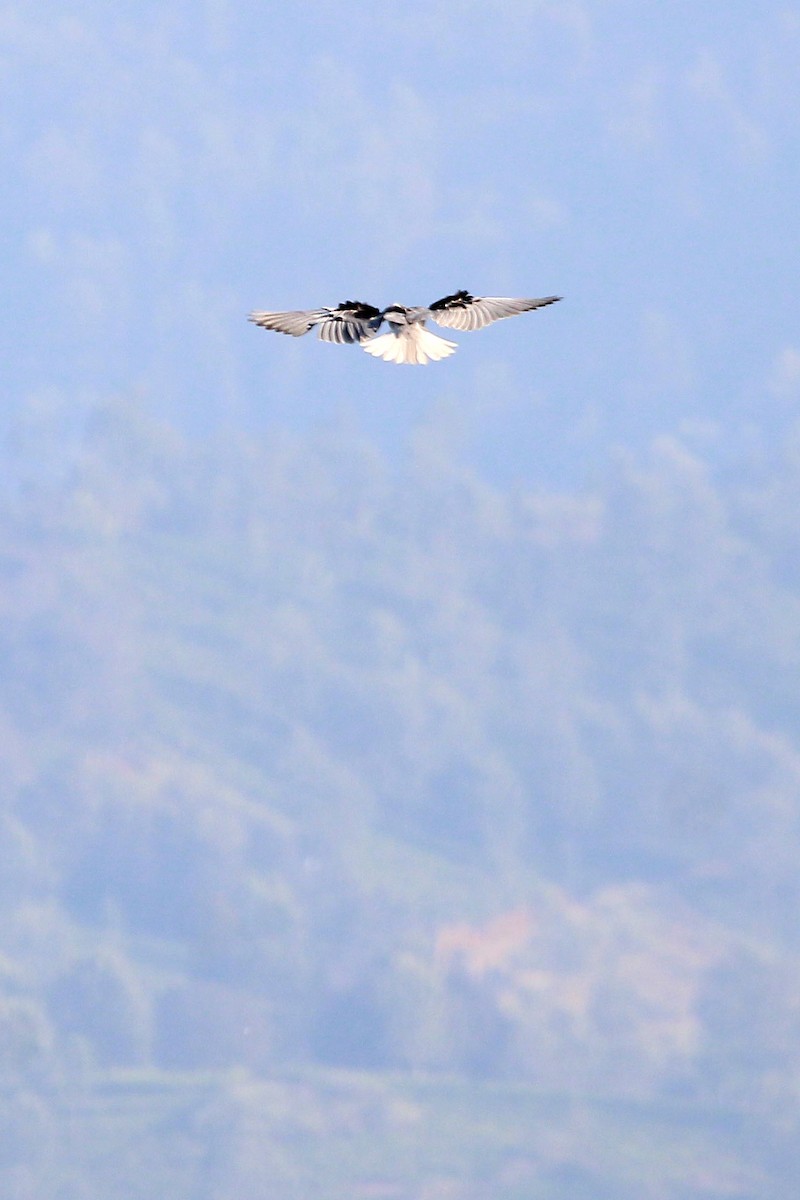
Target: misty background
pixel 399 769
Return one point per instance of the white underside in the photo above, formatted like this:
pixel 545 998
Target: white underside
pixel 415 344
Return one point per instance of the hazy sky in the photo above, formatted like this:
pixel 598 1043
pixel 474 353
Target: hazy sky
pixel 171 166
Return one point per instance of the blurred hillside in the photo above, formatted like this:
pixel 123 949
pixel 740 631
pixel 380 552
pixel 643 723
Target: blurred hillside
pixel 327 783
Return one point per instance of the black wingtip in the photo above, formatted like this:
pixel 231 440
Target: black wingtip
pixel 358 308
pixel 458 299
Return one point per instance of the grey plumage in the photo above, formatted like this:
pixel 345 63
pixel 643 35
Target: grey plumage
pixel 408 341
pixel 463 311
pixel 351 321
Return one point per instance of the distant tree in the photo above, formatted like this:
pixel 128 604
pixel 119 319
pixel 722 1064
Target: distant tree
pixel 201 1025
pixel 750 1014
pixel 100 997
pixel 26 1035
pixel 349 1028
pixel 480 1033
pixel 27 1130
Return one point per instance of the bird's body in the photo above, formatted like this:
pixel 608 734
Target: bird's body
pixel 408 339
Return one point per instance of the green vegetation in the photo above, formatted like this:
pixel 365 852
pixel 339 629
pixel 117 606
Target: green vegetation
pixel 337 1134
pixel 369 831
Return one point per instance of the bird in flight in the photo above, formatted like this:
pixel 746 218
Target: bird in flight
pixel 408 340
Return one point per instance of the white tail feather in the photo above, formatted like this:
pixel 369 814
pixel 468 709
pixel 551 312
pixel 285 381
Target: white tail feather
pixel 414 344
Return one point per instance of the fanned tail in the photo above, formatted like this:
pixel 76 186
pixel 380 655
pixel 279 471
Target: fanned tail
pixel 414 344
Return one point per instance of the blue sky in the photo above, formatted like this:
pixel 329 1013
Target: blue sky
pixel 171 166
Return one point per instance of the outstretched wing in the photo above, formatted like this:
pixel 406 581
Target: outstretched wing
pixel 463 311
pixel 351 321
pixel 295 323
